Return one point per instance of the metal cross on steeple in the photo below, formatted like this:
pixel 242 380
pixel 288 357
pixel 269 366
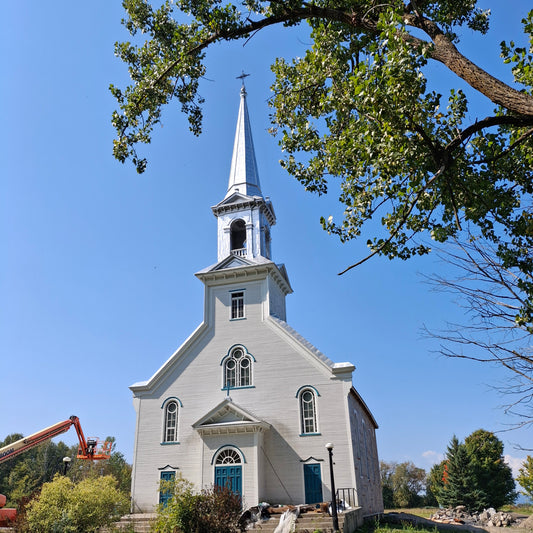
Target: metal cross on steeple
pixel 242 76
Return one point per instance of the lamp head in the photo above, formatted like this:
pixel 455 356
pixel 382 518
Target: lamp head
pixel 329 446
pixel 66 460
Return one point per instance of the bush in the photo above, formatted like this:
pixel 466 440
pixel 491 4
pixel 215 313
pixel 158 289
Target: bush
pixel 68 507
pixel 214 510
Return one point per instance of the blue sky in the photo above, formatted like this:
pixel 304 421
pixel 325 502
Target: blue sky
pixel 97 278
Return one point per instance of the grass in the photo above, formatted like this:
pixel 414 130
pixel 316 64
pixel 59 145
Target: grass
pixel 405 527
pixel 522 509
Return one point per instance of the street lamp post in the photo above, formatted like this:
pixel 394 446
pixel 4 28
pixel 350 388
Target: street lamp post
pixel 66 462
pixel 334 516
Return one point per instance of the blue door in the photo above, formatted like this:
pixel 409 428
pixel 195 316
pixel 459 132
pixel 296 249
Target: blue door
pixel 229 476
pixel 313 483
pixel 166 494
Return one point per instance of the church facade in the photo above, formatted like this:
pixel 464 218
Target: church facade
pixel 246 401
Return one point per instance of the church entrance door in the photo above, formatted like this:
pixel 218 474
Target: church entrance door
pixel 229 476
pixel 228 470
pixel 313 483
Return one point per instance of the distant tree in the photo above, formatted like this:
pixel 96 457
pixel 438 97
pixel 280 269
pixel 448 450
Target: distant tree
pixel 402 484
pixel 459 482
pixel 475 474
pixel 492 474
pixel 525 477
pixel 116 466
pixel 68 507
pixel 434 484
pixel 24 474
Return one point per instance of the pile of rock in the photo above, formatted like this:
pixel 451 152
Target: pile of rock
pixel 460 515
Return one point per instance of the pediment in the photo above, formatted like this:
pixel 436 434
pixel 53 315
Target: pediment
pixel 232 261
pixel 235 198
pixel 227 417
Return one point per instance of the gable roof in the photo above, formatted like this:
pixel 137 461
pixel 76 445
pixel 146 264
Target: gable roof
pixel 227 417
pixel 312 351
pixel 360 400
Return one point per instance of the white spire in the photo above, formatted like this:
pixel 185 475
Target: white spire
pixel 243 176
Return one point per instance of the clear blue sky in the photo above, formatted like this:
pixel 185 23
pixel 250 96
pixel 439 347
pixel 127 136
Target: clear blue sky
pixel 97 285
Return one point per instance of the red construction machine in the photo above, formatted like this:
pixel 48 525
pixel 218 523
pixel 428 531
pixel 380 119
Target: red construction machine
pixel 88 449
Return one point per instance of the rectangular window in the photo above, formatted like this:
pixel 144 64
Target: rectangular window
pixel 237 305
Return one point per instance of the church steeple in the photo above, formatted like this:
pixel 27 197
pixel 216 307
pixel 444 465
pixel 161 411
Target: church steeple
pixel 244 215
pixel 243 176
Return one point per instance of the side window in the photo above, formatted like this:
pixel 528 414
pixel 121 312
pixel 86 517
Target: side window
pixel 237 305
pixel 308 418
pixel 170 432
pixel 237 369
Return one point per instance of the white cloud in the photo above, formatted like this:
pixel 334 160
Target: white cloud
pixel 514 462
pixel 432 457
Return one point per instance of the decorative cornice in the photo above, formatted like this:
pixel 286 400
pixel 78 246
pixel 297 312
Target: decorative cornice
pixel 246 272
pixel 254 201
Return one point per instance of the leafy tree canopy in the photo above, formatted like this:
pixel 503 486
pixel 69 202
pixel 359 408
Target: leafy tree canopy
pixel 402 484
pixel 525 477
pixel 358 110
pixel 474 474
pixel 66 506
pixel 22 476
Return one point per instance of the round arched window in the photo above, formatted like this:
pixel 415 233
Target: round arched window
pixel 238 369
pixel 228 457
pixel 308 412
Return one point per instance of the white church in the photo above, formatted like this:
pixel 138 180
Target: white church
pixel 246 401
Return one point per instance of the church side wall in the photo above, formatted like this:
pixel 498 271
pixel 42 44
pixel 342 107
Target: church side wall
pixel 365 453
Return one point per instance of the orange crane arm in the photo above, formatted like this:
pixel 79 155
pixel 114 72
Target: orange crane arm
pixel 86 450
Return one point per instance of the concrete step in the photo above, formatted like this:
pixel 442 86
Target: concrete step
pixel 306 522
pixel 139 523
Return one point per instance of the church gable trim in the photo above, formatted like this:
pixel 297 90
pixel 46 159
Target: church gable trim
pixel 309 351
pixel 361 402
pixel 150 384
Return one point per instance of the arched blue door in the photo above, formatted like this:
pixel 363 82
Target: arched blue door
pixel 229 476
pixel 313 483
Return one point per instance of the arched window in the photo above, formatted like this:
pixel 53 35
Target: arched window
pixel 238 235
pixel 308 412
pixel 170 433
pixel 228 456
pixel 237 369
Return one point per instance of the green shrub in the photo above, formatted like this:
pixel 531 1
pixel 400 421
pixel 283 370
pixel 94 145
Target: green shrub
pixel 214 510
pixel 65 506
